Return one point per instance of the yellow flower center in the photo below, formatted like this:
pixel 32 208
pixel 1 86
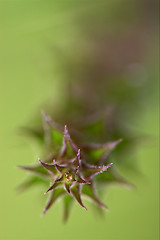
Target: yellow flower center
pixel 68 177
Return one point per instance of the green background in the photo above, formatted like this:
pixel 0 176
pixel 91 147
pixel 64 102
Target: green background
pixel 27 79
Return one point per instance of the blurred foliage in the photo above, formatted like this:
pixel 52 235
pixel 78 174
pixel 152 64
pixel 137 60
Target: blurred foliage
pixel 95 63
pixel 105 84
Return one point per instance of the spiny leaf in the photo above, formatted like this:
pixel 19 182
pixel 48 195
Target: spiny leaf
pixel 80 180
pixel 112 177
pixel 89 191
pixel 56 184
pixel 98 153
pixel 68 201
pixel 68 186
pixel 55 194
pixel 69 144
pixel 53 132
pixel 89 171
pixel 53 124
pixel 32 181
pixel 36 133
pixel 59 167
pixel 75 190
pixel 38 170
pixel 49 167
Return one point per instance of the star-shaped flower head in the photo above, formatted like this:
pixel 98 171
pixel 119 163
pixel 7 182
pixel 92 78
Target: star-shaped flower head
pixel 71 171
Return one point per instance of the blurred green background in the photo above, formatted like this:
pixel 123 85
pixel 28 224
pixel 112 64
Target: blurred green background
pixel 28 31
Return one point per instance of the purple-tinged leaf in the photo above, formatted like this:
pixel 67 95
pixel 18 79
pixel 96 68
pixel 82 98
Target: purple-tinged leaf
pixel 67 139
pixel 89 191
pixel 53 124
pixel 56 184
pixel 47 132
pixel 68 201
pixel 49 167
pixel 55 194
pixel 68 186
pixel 59 167
pixel 113 177
pixel 98 153
pixel 89 171
pixel 75 190
pixel 77 162
pixel 37 170
pixel 80 180
pixel 34 180
pixel 36 133
pixel 108 148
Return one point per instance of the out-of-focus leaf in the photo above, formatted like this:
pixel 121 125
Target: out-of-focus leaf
pixel 112 177
pixel 38 170
pixel 31 182
pixel 89 191
pixel 68 201
pixel 36 133
pixel 97 154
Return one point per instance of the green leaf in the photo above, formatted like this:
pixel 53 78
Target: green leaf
pixel 112 177
pixel 49 167
pixel 67 201
pixel 30 182
pixel 89 171
pixel 55 194
pixel 98 153
pixel 75 190
pixel 37 170
pixel 56 184
pixel 89 191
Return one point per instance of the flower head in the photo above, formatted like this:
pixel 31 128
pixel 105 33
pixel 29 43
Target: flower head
pixel 72 168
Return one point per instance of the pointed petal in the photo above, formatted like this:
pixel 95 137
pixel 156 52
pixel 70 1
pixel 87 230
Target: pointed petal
pixel 54 132
pixel 76 162
pixel 78 159
pixel 99 152
pixel 47 132
pixel 38 170
pixel 56 184
pixel 80 180
pixel 36 133
pixel 55 194
pixel 35 180
pixel 90 171
pixel 59 167
pixel 63 149
pixel 51 122
pixel 68 201
pixel 89 191
pixel 67 138
pixel 108 148
pixel 49 167
pixel 68 186
pixel 113 177
pixel 75 190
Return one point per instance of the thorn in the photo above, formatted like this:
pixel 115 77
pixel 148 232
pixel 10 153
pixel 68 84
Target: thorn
pixel 65 129
pixel 79 152
pixel 106 167
pixel 54 162
pixel 85 208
